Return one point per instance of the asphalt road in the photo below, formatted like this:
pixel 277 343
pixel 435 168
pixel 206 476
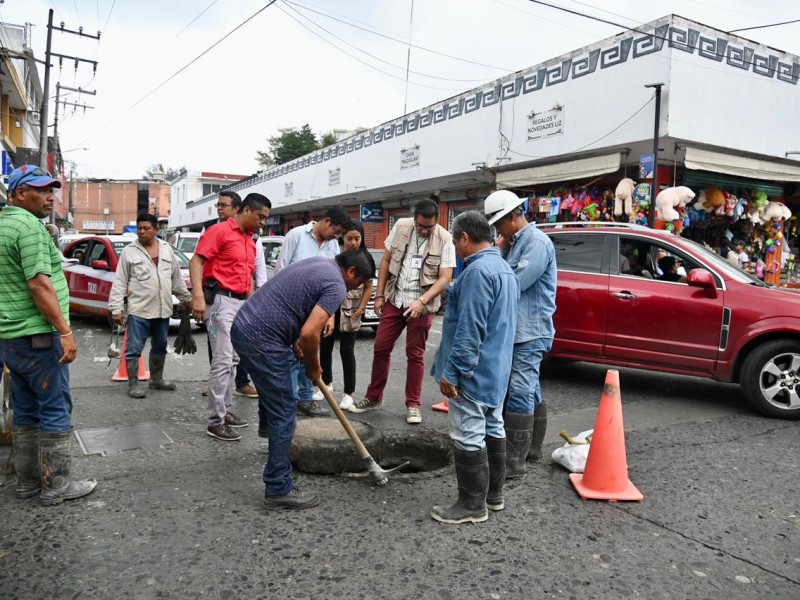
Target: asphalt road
pixel 720 517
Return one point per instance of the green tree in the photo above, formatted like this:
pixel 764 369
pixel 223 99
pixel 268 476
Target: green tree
pixel 290 144
pixel 327 139
pixel 157 171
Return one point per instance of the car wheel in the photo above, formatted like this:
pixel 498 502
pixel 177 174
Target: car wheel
pixel 770 379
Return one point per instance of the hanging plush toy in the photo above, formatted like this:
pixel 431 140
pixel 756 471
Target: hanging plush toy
pixel 774 211
pixel 714 199
pixel 623 197
pixel 670 202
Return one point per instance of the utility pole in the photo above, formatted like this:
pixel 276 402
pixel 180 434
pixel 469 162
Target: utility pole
pixel 107 210
pixel 654 190
pixel 44 112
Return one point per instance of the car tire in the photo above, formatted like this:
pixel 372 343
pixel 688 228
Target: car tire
pixel 770 379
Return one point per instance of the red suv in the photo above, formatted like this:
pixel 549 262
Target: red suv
pixel 716 322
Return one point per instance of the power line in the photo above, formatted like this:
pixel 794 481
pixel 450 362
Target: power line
pixel 396 39
pixel 765 26
pixel 363 62
pixel 182 69
pixel 113 4
pixel 189 24
pixel 386 62
pixel 605 135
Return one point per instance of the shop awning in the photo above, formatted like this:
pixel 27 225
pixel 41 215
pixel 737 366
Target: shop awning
pixel 753 168
pixel 565 171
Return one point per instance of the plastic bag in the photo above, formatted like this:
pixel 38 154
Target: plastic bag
pixel 184 343
pixel 574 453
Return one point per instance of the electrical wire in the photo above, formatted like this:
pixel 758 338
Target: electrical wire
pixel 605 135
pixel 113 4
pixel 765 26
pixel 181 70
pixel 634 29
pixel 396 39
pixel 189 24
pixel 363 62
pixel 386 62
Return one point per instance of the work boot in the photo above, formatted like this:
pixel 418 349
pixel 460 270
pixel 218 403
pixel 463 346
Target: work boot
pixel 496 449
pixel 157 374
pixel 312 409
pixel 57 483
pixel 293 500
pixel 519 430
pixel 26 460
pixel 472 473
pixel 539 429
pixel 134 389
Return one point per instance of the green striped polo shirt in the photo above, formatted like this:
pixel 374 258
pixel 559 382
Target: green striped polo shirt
pixel 26 249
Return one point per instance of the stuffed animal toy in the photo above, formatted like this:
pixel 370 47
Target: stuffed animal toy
pixel 774 211
pixel 760 199
pixel 669 200
pixel 623 197
pixel 701 204
pixel 738 210
pixel 714 199
pixel 730 203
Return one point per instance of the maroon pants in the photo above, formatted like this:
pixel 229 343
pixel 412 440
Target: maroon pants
pixel 392 324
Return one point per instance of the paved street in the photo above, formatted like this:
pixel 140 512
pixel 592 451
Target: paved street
pixel 720 518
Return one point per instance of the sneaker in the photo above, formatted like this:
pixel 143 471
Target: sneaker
pixel 231 420
pixel 347 402
pixel 223 432
pixel 247 390
pixel 292 500
pixel 319 396
pixel 365 404
pixel 263 432
pixel 312 409
pixel 413 416
pixel 205 391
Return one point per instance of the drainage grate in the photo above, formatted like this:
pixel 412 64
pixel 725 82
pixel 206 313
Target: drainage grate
pixel 113 440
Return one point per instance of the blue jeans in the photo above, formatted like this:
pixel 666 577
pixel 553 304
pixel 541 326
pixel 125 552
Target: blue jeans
pixel 304 390
pixel 524 391
pixel 271 373
pixel 472 422
pixel 139 329
pixel 40 391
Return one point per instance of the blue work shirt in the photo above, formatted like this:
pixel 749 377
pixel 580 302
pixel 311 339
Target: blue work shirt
pixel 300 244
pixel 478 330
pixel 532 257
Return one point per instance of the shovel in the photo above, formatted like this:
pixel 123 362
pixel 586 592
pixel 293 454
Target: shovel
pixel 379 475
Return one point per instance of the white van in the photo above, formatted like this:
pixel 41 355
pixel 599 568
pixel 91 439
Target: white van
pixel 185 241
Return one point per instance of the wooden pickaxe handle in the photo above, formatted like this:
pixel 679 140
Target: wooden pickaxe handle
pixel 348 427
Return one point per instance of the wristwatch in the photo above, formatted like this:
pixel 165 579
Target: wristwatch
pixel 423 299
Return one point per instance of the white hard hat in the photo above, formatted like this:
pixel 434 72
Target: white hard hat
pixel 498 204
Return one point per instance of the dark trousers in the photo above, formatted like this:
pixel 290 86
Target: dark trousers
pixel 347 346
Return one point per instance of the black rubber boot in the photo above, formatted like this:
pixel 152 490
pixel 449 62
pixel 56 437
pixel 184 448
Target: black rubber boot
pixel 539 429
pixel 26 460
pixel 57 483
pixel 472 473
pixel 157 374
pixel 496 449
pixel 519 431
pixel 134 389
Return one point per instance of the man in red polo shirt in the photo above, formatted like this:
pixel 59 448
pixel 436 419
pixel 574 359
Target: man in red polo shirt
pixel 221 272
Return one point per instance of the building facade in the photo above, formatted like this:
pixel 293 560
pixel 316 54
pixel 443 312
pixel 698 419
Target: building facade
pixel 190 186
pixel 110 205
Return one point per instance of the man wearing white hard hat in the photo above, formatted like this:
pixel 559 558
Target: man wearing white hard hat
pixel 532 257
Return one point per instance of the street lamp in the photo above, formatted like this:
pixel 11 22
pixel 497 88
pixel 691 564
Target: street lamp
pixel 654 189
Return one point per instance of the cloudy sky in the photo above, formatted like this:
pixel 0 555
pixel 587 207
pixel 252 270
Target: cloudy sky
pixel 204 83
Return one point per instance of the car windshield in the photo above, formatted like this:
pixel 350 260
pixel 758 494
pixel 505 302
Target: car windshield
pixel 187 244
pixel 723 265
pixel 118 246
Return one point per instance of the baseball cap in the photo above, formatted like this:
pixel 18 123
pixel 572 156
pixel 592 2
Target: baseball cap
pixel 31 175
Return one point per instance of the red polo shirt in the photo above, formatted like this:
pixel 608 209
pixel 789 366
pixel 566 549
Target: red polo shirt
pixel 230 255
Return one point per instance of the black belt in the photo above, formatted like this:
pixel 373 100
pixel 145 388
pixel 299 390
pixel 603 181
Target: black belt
pixel 231 294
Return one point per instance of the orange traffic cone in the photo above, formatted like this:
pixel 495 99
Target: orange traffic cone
pixel 442 406
pixel 121 374
pixel 606 474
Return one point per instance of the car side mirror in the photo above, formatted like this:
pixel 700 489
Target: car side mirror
pixel 101 265
pixel 704 280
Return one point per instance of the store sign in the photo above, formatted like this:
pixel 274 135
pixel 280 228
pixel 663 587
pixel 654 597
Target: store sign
pixel 274 220
pixel 371 213
pixel 334 176
pixel 98 225
pixel 410 157
pixel 288 189
pixel 646 166
pixel 546 124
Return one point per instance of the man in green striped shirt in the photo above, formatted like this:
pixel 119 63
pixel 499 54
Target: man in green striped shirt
pixel 36 342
